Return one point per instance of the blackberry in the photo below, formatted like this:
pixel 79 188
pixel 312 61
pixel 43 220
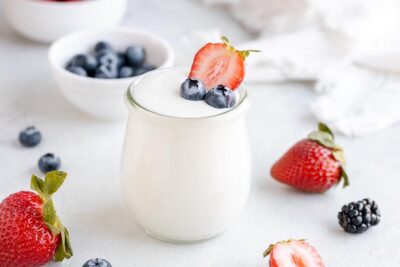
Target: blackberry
pixel 357 217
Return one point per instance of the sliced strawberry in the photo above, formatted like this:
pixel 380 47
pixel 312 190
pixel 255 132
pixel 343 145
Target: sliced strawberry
pixel 293 253
pixel 219 63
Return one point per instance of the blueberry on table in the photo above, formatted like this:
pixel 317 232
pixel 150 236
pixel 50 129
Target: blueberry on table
pixel 49 162
pixel 143 69
pixel 221 97
pixel 30 137
pixel 106 72
pixel 77 70
pixel 97 263
pixel 102 46
pixel 126 72
pixel 135 55
pixel 192 89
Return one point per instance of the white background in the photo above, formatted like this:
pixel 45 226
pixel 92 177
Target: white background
pixel 90 202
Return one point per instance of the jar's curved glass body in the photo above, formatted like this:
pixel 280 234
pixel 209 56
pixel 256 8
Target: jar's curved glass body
pixel 185 180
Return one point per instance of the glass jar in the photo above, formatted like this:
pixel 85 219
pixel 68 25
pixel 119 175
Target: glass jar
pixel 185 179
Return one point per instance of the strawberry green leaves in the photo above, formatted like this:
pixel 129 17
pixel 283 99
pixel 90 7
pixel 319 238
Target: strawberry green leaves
pixel 242 53
pixel 325 137
pixel 45 189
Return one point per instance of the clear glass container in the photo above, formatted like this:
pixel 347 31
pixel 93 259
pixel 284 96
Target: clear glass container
pixel 185 179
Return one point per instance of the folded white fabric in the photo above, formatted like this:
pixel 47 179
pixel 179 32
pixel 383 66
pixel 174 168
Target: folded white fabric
pixel 294 56
pixel 357 99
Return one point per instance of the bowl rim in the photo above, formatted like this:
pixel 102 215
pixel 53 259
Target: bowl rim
pixel 168 62
pixel 57 3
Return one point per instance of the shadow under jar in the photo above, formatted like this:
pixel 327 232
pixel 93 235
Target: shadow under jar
pixel 185 179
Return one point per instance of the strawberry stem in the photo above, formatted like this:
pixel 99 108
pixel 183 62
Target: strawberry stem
pixel 45 189
pixel 242 53
pixel 271 247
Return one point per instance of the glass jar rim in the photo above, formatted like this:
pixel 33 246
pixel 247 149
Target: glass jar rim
pixel 244 97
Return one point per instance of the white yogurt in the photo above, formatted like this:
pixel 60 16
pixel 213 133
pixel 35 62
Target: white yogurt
pixel 160 94
pixel 187 176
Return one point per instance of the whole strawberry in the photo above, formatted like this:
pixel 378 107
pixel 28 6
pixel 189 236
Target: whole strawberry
pixel 31 234
pixel 314 164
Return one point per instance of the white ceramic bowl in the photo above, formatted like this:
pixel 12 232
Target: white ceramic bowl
pixel 103 98
pixel 46 21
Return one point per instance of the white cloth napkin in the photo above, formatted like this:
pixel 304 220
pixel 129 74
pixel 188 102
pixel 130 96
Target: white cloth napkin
pixel 357 99
pixel 325 41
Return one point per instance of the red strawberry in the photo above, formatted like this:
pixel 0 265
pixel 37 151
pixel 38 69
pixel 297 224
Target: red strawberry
pixel 219 63
pixel 314 164
pixel 293 253
pixel 31 234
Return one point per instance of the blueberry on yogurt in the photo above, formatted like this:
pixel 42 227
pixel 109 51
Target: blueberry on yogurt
pixel 221 97
pixel 192 89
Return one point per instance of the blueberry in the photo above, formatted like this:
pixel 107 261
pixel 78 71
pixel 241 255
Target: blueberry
pixel 192 89
pixel 91 64
pixel 97 263
pixel 30 137
pixel 106 72
pixel 49 162
pixel 88 62
pixel 126 72
pixel 77 70
pixel 121 60
pixel 78 60
pixel 107 58
pixel 143 69
pixel 135 55
pixel 102 46
pixel 221 97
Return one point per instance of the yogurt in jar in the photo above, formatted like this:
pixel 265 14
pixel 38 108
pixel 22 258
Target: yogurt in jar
pixel 186 166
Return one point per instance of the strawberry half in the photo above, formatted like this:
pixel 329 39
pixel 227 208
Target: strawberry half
pixel 314 164
pixel 219 63
pixel 293 253
pixel 31 234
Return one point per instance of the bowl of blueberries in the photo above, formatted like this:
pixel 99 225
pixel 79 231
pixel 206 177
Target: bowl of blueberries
pixel 48 20
pixel 93 69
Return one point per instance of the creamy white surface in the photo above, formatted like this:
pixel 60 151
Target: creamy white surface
pixel 160 93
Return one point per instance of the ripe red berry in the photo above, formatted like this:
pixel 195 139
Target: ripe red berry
pixel 293 253
pixel 219 64
pixel 314 164
pixel 31 234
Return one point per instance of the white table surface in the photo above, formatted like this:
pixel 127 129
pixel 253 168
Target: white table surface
pixel 90 202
